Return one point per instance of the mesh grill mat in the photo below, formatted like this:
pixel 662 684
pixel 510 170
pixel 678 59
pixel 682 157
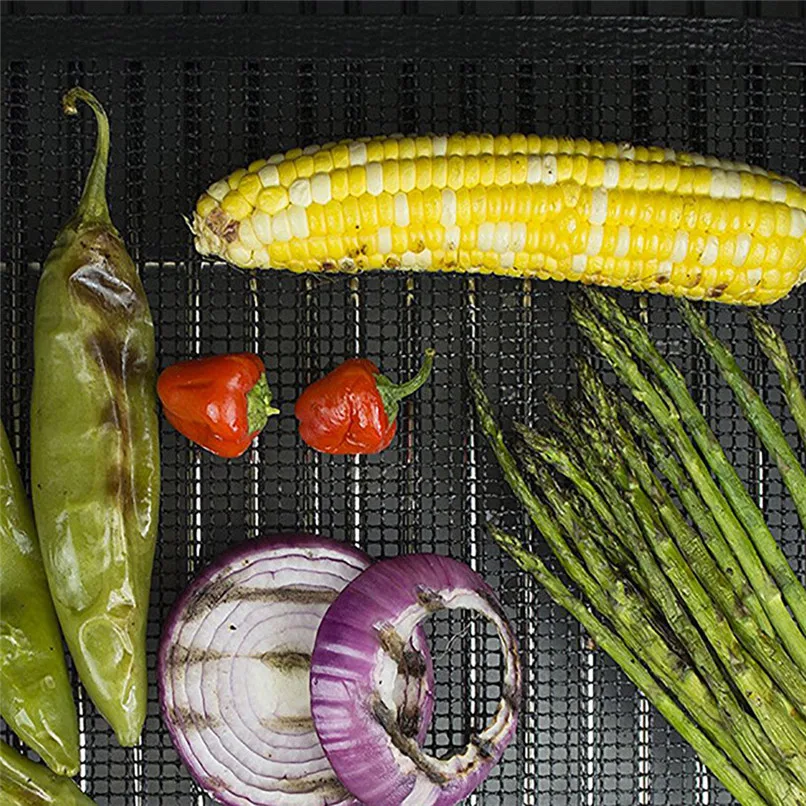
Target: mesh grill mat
pixel 185 109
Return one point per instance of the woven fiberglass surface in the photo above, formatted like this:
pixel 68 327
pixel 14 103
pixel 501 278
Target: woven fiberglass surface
pixel 192 98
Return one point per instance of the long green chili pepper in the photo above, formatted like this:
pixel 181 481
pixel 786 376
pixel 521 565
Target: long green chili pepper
pixel 25 783
pixel 94 447
pixel 35 695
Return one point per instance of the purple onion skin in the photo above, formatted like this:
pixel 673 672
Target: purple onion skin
pixel 344 699
pixel 234 557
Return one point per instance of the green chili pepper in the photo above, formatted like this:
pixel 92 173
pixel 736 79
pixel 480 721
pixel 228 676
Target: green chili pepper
pixel 25 783
pixel 35 695
pixel 94 447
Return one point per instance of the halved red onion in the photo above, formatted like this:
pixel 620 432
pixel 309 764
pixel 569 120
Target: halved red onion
pixel 360 652
pixel 233 671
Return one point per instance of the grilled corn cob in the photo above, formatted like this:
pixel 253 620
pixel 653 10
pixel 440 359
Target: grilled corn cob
pixel 646 219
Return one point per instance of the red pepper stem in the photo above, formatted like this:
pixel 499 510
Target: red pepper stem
pixel 391 393
pixel 258 405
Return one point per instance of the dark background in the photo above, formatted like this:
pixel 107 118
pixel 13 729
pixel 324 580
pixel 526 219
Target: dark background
pixel 194 90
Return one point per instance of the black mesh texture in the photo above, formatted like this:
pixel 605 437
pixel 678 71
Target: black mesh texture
pixel 185 115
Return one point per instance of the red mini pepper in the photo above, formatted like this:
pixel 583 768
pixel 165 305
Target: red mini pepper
pixel 353 409
pixel 221 402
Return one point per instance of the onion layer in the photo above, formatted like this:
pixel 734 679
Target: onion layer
pixel 361 650
pixel 233 670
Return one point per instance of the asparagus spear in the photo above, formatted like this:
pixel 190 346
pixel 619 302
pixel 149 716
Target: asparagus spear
pixel 755 410
pixel 743 505
pixel 767 651
pixel 670 667
pixel 743 546
pixel 773 710
pixel 623 527
pixel 699 512
pixel 736 783
pixel 749 734
pixel 775 348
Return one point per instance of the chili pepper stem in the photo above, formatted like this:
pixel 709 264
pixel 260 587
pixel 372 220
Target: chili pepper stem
pixel 391 393
pixel 93 207
pixel 258 405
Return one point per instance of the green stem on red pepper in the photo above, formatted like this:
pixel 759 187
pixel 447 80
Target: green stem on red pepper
pixel 392 393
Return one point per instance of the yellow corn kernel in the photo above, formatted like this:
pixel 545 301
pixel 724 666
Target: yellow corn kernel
pixel 317 220
pixel 375 151
pixel 422 169
pixel 368 211
pixel 334 218
pixel 234 179
pixel 439 172
pixel 503 171
pixel 391 176
pixel 407 149
pixel 386 209
pixel 341 156
pixel 400 240
pixel 272 199
pixel 457 170
pixel 357 180
pixel 322 162
pixel 487 170
pixel 565 167
pixel 236 206
pixel 391 148
pixel 339 184
pixel 416 208
pixel 205 205
pixel 408 175
pixel 287 173
pixel 352 216
pixel 432 205
pixel 519 164
pixel 250 187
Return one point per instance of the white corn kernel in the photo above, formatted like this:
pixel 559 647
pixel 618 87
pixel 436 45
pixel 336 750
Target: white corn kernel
pixel 401 210
pixel 298 219
pixel 595 238
pixel 680 249
pixel 665 268
pixel 534 169
pixel 622 242
pixel 507 260
pixel 261 224
pixel 503 230
pixel 320 188
pixel 247 236
pixel 753 277
pixel 269 176
pixel 385 240
pixel 448 218
pixel 358 153
pixel 308 150
pixel 742 250
pixel 423 259
pixel 440 146
pixel 260 258
pixel 669 155
pixel 408 259
pixel 238 254
pixel 518 238
pixel 486 233
pixel 611 174
pixel 797 225
pixel 281 226
pixel 300 192
pixel 733 185
pixel 550 170
pixel 276 159
pixel 778 193
pixel 374 178
pixel 453 236
pixel 579 263
pixel 717 183
pixel 218 190
pixel 710 252
pixel 598 213
pixel 697 159
pixel 626 151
